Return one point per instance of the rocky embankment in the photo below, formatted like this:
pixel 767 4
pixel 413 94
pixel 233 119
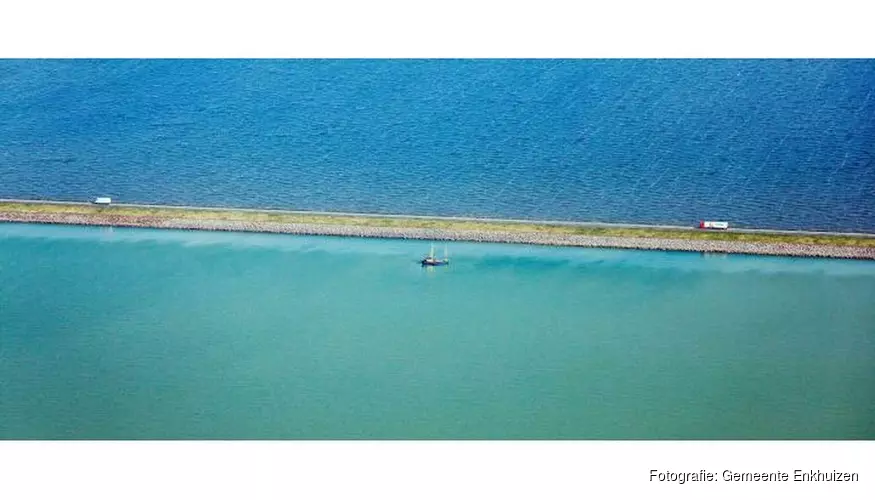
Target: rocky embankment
pixel 536 238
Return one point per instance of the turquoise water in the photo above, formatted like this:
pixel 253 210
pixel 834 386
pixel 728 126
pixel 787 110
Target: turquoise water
pixel 163 334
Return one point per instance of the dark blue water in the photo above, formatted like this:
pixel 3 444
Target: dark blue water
pixel 767 143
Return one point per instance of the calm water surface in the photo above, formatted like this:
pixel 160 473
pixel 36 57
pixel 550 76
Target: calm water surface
pixel 163 334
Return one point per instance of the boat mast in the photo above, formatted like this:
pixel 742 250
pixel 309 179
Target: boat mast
pixel 431 253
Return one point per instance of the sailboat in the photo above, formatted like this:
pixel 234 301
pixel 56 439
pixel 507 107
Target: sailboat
pixel 431 260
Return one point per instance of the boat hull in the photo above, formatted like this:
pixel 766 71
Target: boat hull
pixel 431 263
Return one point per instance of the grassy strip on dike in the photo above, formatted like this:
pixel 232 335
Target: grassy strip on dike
pixel 424 223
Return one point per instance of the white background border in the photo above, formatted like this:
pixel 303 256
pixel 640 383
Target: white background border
pixel 422 470
pixel 437 28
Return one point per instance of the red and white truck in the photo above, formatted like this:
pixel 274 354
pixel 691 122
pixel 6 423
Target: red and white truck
pixel 710 224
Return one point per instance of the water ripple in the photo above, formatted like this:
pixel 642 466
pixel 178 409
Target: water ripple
pixel 766 143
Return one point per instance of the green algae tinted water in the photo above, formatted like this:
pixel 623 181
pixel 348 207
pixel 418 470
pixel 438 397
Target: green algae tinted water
pixel 147 334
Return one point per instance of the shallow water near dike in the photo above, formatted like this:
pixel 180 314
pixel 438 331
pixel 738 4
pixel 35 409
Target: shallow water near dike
pixel 151 334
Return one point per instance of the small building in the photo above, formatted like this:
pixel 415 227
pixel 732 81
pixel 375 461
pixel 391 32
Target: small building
pixel 102 200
